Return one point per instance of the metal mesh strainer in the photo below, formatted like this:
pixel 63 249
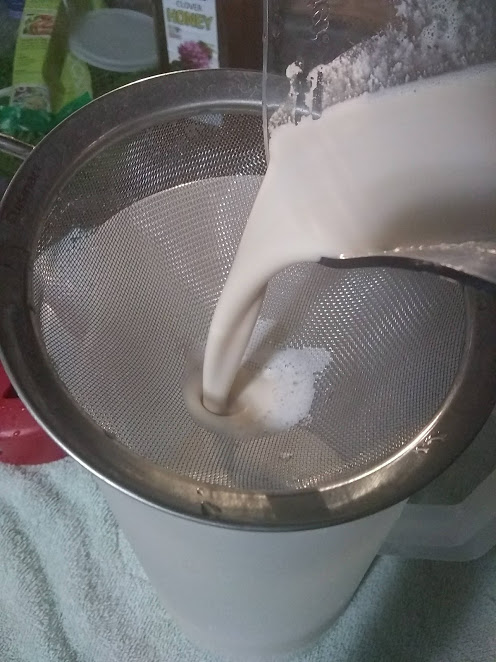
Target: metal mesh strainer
pixel 131 213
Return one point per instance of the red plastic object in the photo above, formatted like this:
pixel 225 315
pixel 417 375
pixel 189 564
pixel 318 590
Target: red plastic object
pixel 22 441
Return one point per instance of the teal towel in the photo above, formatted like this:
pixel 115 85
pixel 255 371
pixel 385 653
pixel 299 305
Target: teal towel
pixel 71 590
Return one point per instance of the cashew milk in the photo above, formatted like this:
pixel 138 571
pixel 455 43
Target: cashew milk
pixel 407 166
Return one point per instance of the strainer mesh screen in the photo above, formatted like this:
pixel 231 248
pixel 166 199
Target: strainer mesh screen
pixel 130 263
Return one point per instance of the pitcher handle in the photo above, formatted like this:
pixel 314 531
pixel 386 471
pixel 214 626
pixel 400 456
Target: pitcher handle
pixel 462 532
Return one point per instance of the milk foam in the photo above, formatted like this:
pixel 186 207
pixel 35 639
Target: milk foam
pixel 273 391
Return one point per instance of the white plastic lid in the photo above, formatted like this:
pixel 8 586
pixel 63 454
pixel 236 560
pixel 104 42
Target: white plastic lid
pixel 116 40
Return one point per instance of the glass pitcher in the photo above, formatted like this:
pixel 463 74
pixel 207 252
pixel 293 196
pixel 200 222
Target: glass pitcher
pixel 331 51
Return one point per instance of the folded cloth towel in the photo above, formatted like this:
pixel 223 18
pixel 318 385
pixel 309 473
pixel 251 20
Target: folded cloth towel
pixel 71 590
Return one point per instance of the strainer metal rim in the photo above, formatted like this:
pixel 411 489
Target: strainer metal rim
pixel 99 124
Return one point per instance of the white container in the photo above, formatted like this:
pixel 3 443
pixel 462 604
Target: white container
pixel 250 595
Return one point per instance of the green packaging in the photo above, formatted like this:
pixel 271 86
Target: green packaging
pixel 48 82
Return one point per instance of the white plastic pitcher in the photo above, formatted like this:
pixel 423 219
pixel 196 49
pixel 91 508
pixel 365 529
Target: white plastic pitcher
pixel 250 595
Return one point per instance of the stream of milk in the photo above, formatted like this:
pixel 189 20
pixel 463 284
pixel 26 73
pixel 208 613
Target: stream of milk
pixel 409 165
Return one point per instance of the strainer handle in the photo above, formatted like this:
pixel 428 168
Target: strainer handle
pixel 14 147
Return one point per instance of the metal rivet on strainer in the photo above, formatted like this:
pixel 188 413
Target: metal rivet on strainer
pixel 117 236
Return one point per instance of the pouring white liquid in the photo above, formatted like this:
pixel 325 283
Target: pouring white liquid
pixel 408 166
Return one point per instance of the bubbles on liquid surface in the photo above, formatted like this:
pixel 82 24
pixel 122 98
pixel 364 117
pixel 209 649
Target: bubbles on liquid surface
pixel 272 392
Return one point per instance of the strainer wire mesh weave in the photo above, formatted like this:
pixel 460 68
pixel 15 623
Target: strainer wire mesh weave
pixel 130 262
